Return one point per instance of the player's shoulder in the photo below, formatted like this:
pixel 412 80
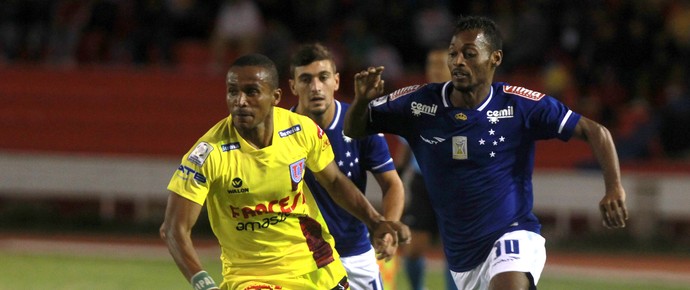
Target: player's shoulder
pixel 405 95
pixel 293 124
pixel 416 90
pixel 219 133
pixel 518 92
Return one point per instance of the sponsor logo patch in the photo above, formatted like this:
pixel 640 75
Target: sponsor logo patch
pixel 230 146
pixel 418 109
pixel 290 131
pixel 378 101
pixel 523 92
pixel 186 172
pixel 200 153
pixel 495 115
pixel 404 91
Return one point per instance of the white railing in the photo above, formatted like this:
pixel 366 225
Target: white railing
pixel 561 193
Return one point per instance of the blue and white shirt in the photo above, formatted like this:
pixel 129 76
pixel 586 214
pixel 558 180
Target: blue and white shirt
pixel 477 163
pixel 354 157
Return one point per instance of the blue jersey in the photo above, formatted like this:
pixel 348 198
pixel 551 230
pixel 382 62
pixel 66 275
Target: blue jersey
pixel 477 163
pixel 354 157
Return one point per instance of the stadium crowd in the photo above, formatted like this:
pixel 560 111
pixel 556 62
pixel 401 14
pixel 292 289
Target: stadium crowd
pixel 624 63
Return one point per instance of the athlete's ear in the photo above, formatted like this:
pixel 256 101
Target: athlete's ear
pixel 496 58
pixel 277 94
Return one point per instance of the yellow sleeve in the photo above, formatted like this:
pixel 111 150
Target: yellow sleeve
pixel 191 179
pixel 321 153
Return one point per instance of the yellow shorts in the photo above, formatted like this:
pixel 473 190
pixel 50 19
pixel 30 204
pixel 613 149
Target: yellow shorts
pixel 329 277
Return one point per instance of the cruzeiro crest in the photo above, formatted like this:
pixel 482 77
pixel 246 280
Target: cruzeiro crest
pixel 296 173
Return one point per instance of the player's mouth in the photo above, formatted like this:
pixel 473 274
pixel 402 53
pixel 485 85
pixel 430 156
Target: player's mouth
pixel 317 99
pixel 460 75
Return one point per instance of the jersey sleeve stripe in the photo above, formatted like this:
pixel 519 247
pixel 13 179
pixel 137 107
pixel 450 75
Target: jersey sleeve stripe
pixel 565 120
pixel 382 165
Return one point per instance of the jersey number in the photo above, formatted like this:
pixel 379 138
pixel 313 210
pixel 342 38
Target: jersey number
pixel 509 247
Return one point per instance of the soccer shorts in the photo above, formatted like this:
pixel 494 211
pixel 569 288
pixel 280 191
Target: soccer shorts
pixel 363 271
pixel 332 276
pixel 518 251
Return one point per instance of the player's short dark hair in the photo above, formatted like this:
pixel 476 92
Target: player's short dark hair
pixel 259 60
pixel 308 53
pixel 483 24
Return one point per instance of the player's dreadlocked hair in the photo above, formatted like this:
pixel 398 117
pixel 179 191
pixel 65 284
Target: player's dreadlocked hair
pixel 259 60
pixel 309 53
pixel 483 24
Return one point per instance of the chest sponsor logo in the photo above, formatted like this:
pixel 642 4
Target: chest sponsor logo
pixel 236 183
pixel 495 115
pixel 523 92
pixel 200 153
pixel 289 131
pixel 418 109
pixel 230 146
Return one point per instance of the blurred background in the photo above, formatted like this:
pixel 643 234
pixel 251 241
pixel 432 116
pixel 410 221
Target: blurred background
pixel 99 99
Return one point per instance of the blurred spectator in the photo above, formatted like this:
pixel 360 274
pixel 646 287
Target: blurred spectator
pixel 239 25
pixel 384 54
pixel 69 20
pixel 98 36
pixel 432 25
pixel 277 35
pixel 24 29
pixel 675 116
pixel 153 30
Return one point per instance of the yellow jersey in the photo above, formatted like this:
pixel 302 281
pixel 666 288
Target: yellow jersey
pixel 266 221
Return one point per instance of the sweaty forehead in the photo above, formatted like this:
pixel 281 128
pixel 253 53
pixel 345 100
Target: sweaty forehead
pixel 240 75
pixel 315 67
pixel 473 37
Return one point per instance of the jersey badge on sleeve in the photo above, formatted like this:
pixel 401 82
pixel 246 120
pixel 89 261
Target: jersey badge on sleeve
pixel 378 101
pixel 296 173
pixel 523 92
pixel 200 153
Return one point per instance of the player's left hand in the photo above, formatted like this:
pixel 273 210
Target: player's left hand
pixel 613 210
pixel 387 236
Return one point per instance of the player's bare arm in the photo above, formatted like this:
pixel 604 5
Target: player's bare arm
pixel 180 216
pixel 612 206
pixel 393 194
pixel 368 86
pixel 348 196
pixel 393 200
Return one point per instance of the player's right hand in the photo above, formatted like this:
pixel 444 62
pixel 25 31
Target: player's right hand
pixel 387 236
pixel 368 83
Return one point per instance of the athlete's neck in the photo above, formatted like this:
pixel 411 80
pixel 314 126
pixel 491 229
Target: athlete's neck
pixel 469 99
pixel 260 136
pixel 323 120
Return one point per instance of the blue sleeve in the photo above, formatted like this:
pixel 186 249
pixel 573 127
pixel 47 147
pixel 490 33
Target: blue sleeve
pixel 549 118
pixel 388 114
pixel 377 158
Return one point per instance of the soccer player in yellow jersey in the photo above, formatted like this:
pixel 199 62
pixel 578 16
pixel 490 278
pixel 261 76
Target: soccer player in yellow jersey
pixel 249 170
